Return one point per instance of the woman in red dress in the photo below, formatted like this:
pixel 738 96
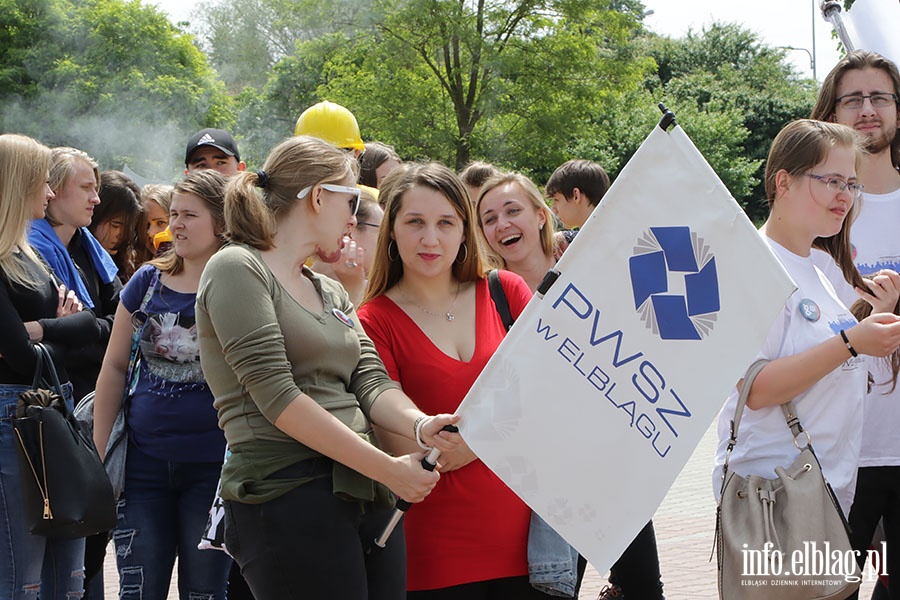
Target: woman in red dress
pixel 429 312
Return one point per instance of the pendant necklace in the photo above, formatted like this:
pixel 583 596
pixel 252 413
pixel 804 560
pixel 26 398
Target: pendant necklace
pixel 447 315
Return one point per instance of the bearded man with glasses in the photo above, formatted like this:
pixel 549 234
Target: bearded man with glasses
pixel 862 92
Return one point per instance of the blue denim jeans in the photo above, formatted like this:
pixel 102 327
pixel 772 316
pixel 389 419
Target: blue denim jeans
pixel 552 562
pixel 30 564
pixel 162 513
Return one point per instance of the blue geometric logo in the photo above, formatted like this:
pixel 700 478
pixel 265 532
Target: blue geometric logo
pixel 675 284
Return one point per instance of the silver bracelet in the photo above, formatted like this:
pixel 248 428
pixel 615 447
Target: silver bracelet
pixel 420 421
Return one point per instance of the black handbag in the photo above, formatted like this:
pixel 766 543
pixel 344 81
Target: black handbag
pixel 65 488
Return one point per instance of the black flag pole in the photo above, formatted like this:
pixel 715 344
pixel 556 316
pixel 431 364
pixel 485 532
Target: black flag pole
pixel 668 118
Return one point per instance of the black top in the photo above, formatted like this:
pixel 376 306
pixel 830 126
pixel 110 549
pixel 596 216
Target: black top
pixel 84 363
pixel 19 304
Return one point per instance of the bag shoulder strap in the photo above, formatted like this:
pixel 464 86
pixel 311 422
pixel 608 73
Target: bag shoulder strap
pixel 151 289
pixel 790 414
pixel 44 365
pixel 749 378
pixel 498 295
pixel 139 326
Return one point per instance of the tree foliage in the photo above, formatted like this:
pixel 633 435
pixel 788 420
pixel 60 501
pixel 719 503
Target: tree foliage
pixel 112 77
pixel 727 70
pixel 507 81
pixel 246 38
pixel 529 84
pixel 525 84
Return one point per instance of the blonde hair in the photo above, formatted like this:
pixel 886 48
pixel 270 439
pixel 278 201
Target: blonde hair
pixel 256 200
pixel 62 167
pixel 160 193
pixel 535 199
pixel 24 163
pixel 387 272
pixel 209 186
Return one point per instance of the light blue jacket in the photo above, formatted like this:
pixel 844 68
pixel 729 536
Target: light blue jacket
pixel 552 562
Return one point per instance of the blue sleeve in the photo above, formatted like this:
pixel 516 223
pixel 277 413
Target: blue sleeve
pixel 133 292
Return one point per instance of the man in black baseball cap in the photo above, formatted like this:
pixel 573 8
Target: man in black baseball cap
pixel 212 149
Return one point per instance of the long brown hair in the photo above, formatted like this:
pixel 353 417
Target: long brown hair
pixel 120 199
pixel 387 272
pixel 856 60
pixel 209 186
pixel 797 148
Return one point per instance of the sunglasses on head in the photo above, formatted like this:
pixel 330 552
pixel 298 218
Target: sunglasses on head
pixel 338 189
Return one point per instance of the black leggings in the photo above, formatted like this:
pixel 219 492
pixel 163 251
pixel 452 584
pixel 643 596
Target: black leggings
pixel 310 544
pixel 637 570
pixel 877 498
pixel 508 588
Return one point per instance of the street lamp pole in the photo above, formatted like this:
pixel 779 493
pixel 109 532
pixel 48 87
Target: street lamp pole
pixel 813 55
pixel 812 59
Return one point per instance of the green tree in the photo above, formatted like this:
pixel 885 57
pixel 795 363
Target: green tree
pixel 246 38
pixel 528 84
pixel 268 115
pixel 726 68
pixel 452 79
pixel 112 77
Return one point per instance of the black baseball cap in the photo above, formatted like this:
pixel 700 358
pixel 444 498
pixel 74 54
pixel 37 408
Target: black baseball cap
pixel 212 137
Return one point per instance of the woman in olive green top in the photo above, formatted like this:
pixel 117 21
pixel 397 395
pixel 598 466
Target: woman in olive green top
pixel 297 384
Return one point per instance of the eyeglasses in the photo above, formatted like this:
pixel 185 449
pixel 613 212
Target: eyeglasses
pixel 837 186
pixel 338 189
pixel 855 101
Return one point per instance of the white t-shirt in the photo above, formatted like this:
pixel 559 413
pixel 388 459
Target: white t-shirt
pixel 830 411
pixel 874 234
pixel 835 276
pixel 876 245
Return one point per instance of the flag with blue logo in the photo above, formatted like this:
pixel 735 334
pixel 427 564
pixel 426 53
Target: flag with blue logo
pixel 601 391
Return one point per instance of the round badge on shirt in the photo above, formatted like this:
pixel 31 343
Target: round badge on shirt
pixel 342 317
pixel 809 310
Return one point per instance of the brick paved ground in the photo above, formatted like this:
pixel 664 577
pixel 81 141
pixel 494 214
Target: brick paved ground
pixel 684 530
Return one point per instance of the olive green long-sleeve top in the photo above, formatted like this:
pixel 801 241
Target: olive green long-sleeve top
pixel 260 349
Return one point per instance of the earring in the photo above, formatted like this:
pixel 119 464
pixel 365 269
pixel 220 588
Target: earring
pixel 393 244
pixel 465 254
pixel 541 228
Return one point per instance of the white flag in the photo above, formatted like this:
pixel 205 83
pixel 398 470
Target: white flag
pixel 869 25
pixel 600 392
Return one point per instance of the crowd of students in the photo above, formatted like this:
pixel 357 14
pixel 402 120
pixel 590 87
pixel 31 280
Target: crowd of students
pixel 310 314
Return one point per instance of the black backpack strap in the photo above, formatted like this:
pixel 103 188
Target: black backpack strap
pixel 498 295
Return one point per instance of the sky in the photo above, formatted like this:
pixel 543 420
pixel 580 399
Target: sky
pixel 778 23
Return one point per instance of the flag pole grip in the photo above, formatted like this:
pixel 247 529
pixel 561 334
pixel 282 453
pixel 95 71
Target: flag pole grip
pixel 429 463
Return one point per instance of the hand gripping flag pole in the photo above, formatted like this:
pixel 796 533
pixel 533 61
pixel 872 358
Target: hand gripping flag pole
pixel 429 463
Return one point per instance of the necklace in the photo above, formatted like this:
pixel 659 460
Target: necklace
pixel 447 315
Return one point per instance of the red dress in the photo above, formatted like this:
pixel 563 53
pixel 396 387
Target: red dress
pixel 471 527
